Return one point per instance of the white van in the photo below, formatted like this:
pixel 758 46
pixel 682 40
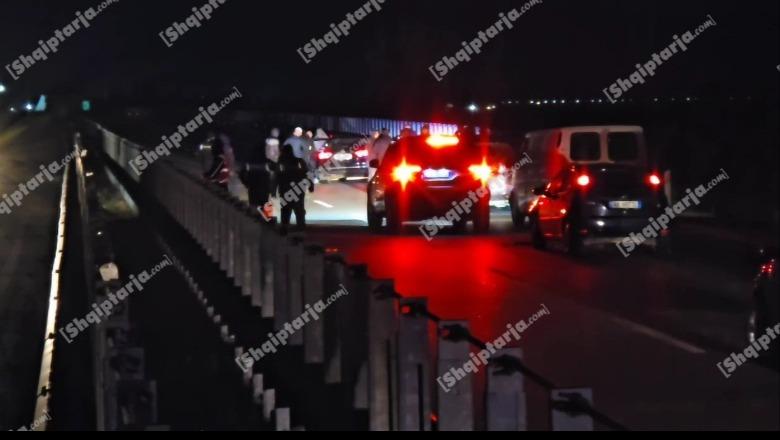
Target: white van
pixel 553 150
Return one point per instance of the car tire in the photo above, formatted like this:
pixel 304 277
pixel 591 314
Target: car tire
pixel 537 237
pixel 572 241
pixel 393 219
pixel 374 221
pixel 481 219
pixel 519 219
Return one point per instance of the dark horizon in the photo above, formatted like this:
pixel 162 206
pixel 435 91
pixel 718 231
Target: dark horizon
pixel 384 62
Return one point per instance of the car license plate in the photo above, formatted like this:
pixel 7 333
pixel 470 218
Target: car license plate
pixel 626 204
pixel 442 174
pixel 342 157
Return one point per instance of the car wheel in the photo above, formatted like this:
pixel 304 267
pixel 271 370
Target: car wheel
pixel 519 219
pixel 482 219
pixel 374 221
pixel 572 241
pixel 393 219
pixel 537 237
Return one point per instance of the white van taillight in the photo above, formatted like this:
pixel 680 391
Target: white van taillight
pixel 583 181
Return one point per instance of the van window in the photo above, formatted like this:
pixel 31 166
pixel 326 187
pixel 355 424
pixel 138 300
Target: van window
pixel 623 147
pixel 585 147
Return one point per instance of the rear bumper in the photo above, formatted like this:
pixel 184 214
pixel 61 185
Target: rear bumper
pixel 606 230
pixel 417 203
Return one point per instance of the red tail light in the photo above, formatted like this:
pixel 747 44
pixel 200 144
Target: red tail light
pixel 768 269
pixel 325 154
pixel 654 180
pixel 362 153
pixel 405 173
pixel 481 172
pixel 583 181
pixel 439 141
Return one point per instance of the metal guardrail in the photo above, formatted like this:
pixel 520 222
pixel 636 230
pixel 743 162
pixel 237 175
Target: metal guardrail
pixel 374 344
pixel 41 415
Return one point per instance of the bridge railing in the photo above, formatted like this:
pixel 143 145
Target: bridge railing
pixel 369 358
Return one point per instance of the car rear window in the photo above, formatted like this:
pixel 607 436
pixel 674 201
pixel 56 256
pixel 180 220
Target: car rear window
pixel 585 147
pixel 419 153
pixel 623 147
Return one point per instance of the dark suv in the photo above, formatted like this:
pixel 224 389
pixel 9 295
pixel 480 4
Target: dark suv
pixel 766 300
pixel 596 205
pixel 424 177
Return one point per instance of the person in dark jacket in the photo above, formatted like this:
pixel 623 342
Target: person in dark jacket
pixel 294 180
pixel 219 173
pixel 258 177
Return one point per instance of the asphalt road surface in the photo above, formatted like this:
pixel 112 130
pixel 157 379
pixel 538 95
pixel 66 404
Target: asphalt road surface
pixel 644 332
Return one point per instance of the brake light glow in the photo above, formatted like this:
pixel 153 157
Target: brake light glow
pixel 362 153
pixel 654 180
pixel 405 173
pixel 325 155
pixel 481 172
pixel 439 141
pixel 583 180
pixel 768 269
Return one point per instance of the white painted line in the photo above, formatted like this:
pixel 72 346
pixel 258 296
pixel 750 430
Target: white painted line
pixel 329 206
pixel 647 331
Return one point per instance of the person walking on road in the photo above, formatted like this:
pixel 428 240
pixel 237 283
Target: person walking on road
pixel 294 181
pixel 377 150
pixel 258 177
pixel 222 162
pixel 298 143
pixel 272 150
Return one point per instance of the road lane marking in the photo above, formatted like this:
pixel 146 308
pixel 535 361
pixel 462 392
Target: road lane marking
pixel 629 325
pixel 321 203
pixel 647 331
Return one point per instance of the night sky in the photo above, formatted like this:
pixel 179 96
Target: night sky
pixel 561 48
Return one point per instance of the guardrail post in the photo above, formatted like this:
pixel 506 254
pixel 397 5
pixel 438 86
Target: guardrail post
pixel 269 242
pixel 282 419
pixel 281 283
pixel 333 347
pixel 313 285
pixel 506 398
pixel 414 396
pixel 225 236
pixel 564 417
pixel 456 401
pixel 382 356
pixel 295 280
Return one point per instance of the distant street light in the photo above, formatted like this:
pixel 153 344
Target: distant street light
pixel 473 108
pixel 2 89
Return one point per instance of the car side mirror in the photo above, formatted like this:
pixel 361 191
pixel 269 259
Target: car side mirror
pixel 374 163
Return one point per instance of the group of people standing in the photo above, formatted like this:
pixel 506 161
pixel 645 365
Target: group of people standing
pixel 270 171
pixel 276 168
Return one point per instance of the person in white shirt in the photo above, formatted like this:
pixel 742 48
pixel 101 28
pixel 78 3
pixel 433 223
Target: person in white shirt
pixel 377 150
pixel 272 147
